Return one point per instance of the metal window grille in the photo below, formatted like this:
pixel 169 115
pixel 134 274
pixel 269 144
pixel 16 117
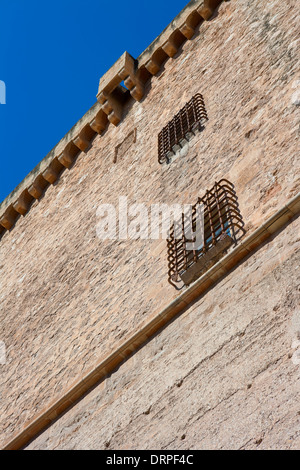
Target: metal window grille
pixel 185 121
pixel 222 226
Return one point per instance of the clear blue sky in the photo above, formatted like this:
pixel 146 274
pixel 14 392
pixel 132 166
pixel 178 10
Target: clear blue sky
pixel 52 55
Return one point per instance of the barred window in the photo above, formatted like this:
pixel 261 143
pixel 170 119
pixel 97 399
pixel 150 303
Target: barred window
pixel 191 116
pixel 222 226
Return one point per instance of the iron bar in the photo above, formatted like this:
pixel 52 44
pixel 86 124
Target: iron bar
pixel 181 124
pixel 221 219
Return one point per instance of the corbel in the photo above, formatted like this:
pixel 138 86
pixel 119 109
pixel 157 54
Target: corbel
pixel 207 10
pixel 112 107
pixel 99 123
pixel 188 28
pixel 36 189
pixel 23 202
pixel 153 66
pixel 9 218
pixel 83 140
pixel 51 174
pixel 173 43
pixel 67 157
pixel 132 80
pixel 170 47
pixel 112 95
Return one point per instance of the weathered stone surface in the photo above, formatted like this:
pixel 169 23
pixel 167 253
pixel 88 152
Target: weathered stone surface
pixel 219 377
pixel 68 298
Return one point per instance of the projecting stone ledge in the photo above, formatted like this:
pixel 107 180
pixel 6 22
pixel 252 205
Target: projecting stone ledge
pixel 112 96
pixel 49 169
pixel 183 27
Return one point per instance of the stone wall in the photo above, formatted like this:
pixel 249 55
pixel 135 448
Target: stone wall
pixel 223 375
pixel 68 299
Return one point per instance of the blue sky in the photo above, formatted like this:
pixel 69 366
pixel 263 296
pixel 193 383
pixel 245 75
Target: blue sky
pixel 52 55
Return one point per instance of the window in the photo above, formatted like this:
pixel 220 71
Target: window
pixel 221 226
pixel 186 120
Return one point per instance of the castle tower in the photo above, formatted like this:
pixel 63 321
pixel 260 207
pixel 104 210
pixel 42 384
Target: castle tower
pixel 134 341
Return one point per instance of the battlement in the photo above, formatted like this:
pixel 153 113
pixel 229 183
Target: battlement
pixel 109 108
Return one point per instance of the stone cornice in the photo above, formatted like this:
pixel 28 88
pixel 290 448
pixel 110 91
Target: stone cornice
pixel 109 108
pixel 48 170
pixel 146 331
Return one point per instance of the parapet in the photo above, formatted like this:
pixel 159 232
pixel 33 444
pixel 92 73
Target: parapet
pixel 125 80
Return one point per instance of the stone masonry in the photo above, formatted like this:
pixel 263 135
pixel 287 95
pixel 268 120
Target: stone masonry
pixel 221 376
pixel 224 373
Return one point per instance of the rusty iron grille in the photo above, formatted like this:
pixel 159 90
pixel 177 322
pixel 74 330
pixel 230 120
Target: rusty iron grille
pixel 222 227
pixel 185 121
